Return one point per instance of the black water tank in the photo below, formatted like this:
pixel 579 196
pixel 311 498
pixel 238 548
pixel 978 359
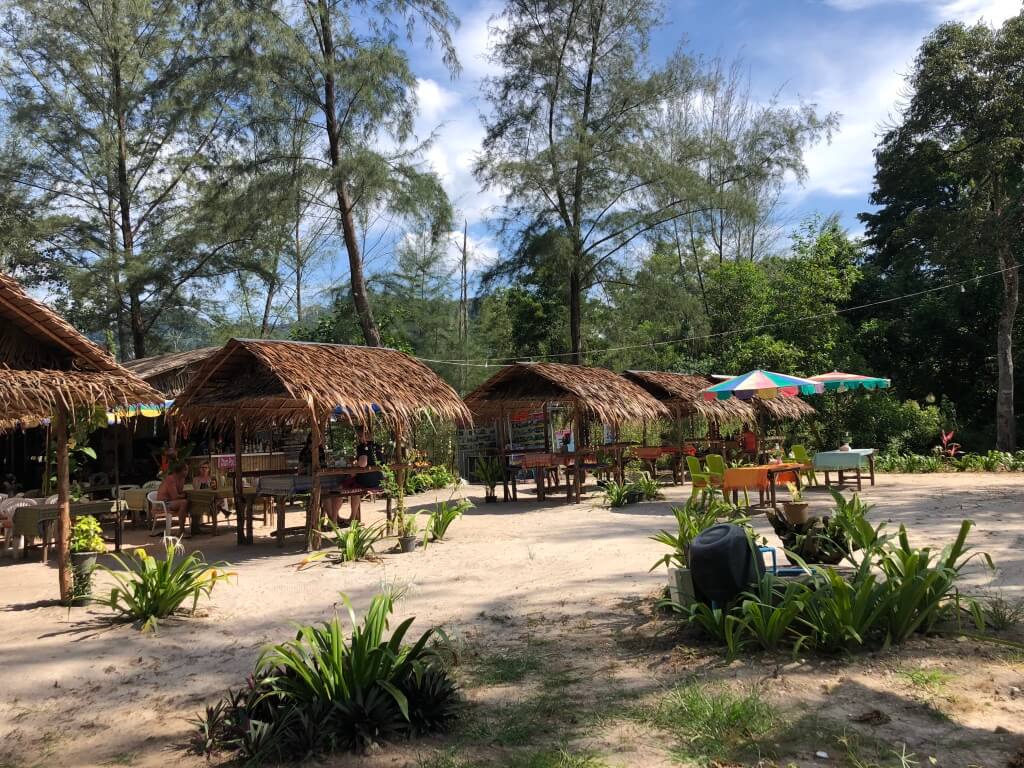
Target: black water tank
pixel 724 562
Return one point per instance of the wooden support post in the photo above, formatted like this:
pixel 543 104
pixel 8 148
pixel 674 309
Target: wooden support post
pixel 502 459
pixel 240 511
pixel 399 476
pixel 60 436
pixel 578 479
pixel 313 513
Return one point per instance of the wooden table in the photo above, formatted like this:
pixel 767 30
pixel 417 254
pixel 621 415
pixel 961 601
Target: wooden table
pixel 617 450
pixel 29 522
pixel 842 462
pixel 202 500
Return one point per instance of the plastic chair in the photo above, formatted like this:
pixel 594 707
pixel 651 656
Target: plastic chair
pixel 716 467
pixel 800 455
pixel 7 508
pixel 154 504
pixel 698 477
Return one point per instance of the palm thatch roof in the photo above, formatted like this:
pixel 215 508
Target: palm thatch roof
pixel 681 392
pixel 783 408
pixel 596 392
pixel 273 383
pixel 170 373
pixel 46 365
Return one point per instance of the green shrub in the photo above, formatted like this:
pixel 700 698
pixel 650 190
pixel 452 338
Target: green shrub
pixel 87 535
pixel 445 513
pixel 646 486
pixel 356 542
pixel 489 473
pixel 894 592
pixel 325 691
pixel 149 589
pixel 617 494
pixel 432 478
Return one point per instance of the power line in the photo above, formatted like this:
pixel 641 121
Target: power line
pixel 499 362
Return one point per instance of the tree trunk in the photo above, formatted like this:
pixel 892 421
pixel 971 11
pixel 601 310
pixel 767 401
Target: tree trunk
pixel 1006 427
pixel 124 201
pixel 60 437
pixel 360 294
pixel 575 317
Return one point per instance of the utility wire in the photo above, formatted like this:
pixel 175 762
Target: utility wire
pixel 499 362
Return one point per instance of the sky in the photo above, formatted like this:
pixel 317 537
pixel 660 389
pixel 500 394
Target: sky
pixel 845 56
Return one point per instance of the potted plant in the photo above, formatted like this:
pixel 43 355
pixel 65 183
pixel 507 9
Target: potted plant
pixel 488 472
pixel 408 527
pixel 796 508
pixel 86 545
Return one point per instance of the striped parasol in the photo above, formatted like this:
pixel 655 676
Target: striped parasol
pixel 763 384
pixel 837 381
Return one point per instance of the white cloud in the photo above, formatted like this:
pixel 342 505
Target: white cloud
pixel 992 11
pixel 863 79
pixel 433 100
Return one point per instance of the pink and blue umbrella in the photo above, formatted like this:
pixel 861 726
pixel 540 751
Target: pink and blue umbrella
pixel 837 381
pixel 763 384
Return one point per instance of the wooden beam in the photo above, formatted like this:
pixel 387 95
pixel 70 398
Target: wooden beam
pixel 240 511
pixel 313 513
pixel 60 436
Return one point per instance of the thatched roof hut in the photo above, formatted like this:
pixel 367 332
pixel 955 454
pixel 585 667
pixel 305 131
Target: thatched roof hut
pixel 170 373
pixel 47 370
pixel 596 393
pixel 681 392
pixel 270 383
pixel 46 365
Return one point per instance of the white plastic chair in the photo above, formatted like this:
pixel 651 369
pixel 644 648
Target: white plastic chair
pixel 7 507
pixel 154 504
pixel 52 499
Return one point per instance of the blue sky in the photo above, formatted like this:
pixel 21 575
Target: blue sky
pixel 846 56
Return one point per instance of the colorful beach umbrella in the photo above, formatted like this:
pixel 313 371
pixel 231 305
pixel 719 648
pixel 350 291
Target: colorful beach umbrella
pixel 837 381
pixel 147 410
pixel 763 384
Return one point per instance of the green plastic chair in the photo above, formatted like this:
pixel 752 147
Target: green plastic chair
pixel 800 454
pixel 716 467
pixel 699 479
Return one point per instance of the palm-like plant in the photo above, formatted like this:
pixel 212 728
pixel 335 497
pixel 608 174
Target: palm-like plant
pixel 445 513
pixel 349 544
pixel 693 517
pixel 149 589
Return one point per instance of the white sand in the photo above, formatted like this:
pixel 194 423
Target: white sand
pixel 78 690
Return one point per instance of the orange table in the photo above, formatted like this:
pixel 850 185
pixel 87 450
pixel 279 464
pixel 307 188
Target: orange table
pixel 761 478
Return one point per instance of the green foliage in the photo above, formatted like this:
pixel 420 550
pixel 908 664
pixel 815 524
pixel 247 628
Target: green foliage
pixel 646 486
pixel 355 542
pixel 149 589
pixel 489 472
pixel 696 515
pixel 946 196
pixel 618 494
pixel 894 592
pixel 326 690
pixel 433 478
pixel 444 514
pixel 87 535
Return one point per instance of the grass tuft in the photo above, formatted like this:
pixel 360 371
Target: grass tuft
pixel 710 723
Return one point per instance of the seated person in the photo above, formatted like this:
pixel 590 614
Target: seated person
pixel 368 454
pixel 330 502
pixel 203 480
pixel 172 493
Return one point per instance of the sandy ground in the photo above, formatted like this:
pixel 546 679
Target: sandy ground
pixel 78 690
